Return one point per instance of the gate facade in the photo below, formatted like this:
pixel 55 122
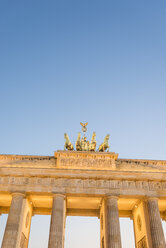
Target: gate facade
pixel 83 183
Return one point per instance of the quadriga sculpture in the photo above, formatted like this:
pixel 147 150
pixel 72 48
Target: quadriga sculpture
pixel 84 144
pixel 104 146
pixel 92 146
pixel 68 145
pixel 78 142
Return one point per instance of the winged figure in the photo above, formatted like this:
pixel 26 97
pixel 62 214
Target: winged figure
pixel 84 128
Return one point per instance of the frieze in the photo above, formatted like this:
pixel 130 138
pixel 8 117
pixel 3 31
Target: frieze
pixel 86 163
pixel 142 162
pixel 25 157
pixel 155 186
pixel 82 183
pixel 84 160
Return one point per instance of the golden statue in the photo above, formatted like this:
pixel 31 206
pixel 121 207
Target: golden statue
pixel 68 145
pixel 92 146
pixel 78 142
pixel 104 146
pixel 84 128
pixel 84 144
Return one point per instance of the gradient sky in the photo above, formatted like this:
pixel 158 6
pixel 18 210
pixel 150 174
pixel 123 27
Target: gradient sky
pixel 62 62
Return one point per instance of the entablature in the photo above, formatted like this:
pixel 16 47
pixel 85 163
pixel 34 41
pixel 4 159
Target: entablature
pixel 75 160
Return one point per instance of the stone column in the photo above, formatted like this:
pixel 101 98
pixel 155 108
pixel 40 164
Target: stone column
pixel 57 225
pixel 18 223
pixel 112 223
pixel 155 225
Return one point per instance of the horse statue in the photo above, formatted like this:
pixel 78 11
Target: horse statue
pixel 68 145
pixel 78 142
pixel 104 146
pixel 92 145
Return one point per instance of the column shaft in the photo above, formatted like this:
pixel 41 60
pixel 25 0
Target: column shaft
pixel 113 225
pixel 156 230
pixel 57 225
pixel 16 232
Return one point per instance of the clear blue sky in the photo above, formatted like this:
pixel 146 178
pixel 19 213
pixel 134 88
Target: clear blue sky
pixel 62 62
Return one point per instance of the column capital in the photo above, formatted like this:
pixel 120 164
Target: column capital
pixel 14 194
pixel 56 195
pixel 113 197
pixel 151 198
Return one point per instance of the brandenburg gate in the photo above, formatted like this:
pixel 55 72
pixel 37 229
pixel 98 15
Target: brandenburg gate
pixel 83 182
